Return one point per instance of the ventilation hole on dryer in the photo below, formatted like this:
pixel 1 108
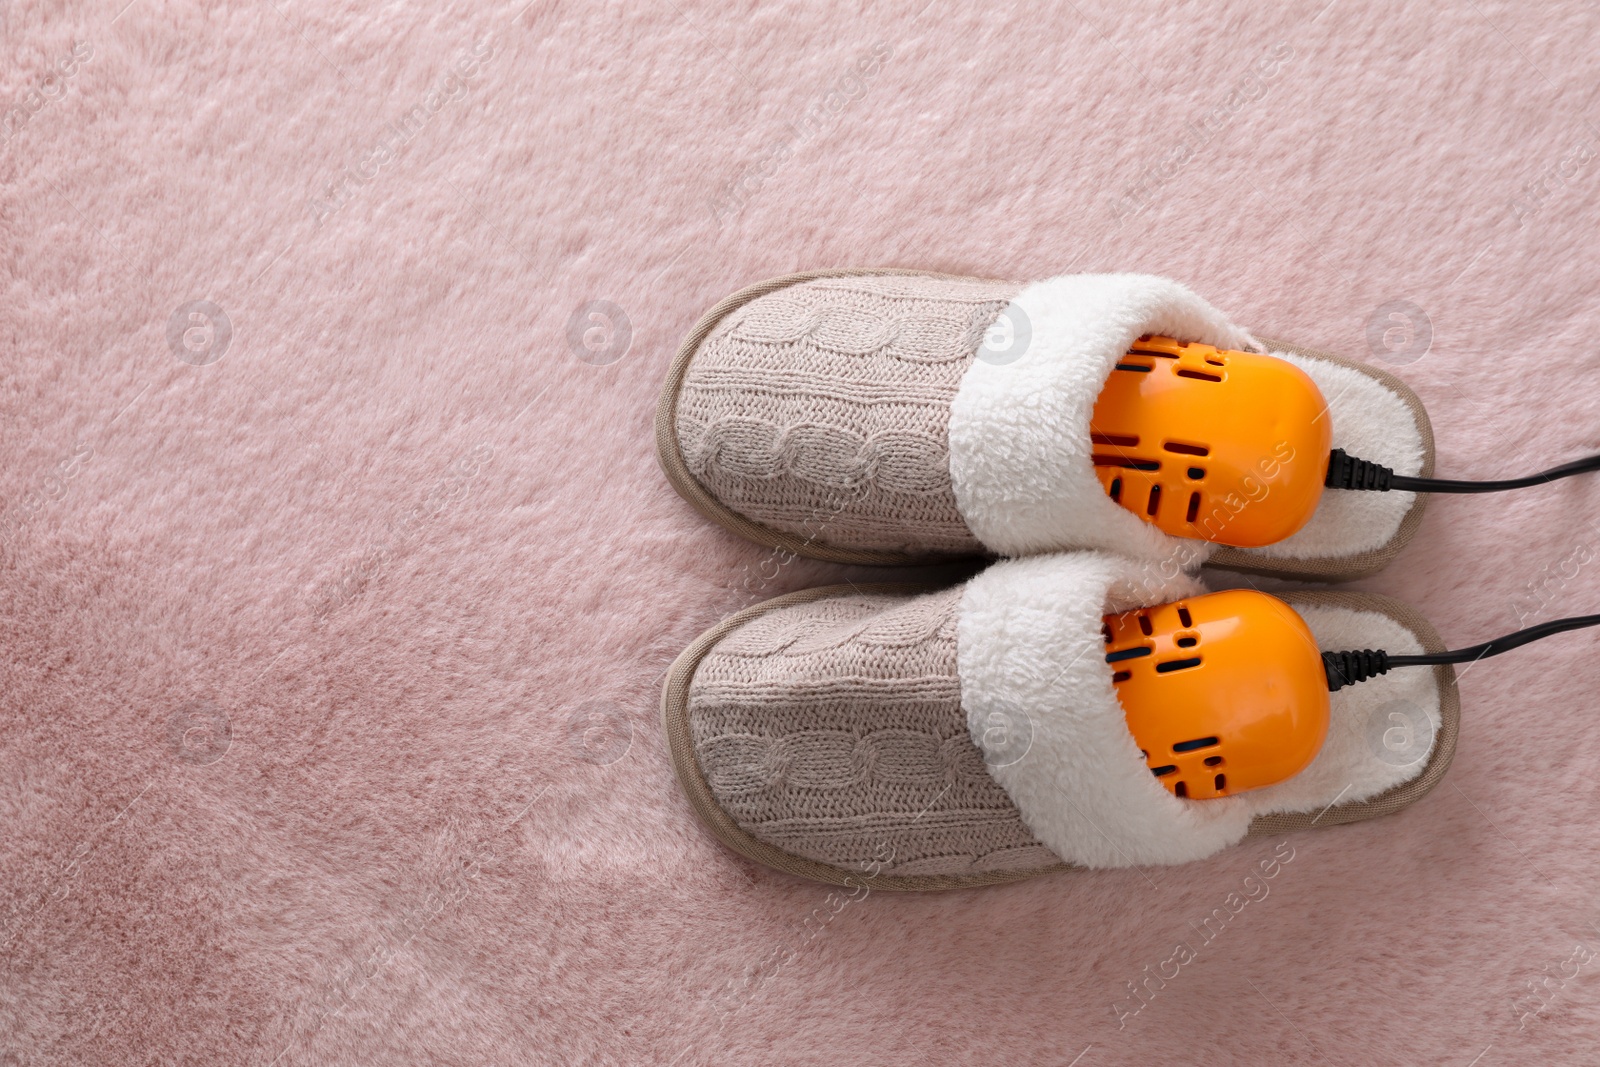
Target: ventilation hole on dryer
pixel 1222 782
pixel 1115 440
pixel 1188 642
pixel 1162 772
pixel 1190 746
pixel 1144 625
pixel 1138 367
pixel 1155 501
pixel 1180 789
pixel 1212 761
pixel 1177 665
pixel 1152 352
pixel 1196 473
pixel 1106 630
pixel 1184 617
pixel 1194 507
pixel 1116 489
pixel 1216 361
pixel 1121 676
pixel 1186 450
pixel 1127 653
pixel 1198 375
pixel 1125 462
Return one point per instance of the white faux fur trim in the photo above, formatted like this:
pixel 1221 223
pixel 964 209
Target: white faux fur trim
pixel 1019 431
pixel 1030 651
pixel 1370 421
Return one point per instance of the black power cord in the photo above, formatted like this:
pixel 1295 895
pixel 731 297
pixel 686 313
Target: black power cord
pixel 1348 668
pixel 1347 472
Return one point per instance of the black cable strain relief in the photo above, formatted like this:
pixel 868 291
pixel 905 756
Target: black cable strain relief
pixel 1348 668
pixel 1348 472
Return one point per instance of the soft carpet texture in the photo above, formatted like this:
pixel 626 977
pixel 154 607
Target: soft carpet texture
pixel 337 576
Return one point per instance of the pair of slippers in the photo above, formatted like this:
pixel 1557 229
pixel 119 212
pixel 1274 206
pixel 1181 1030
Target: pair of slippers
pixel 907 738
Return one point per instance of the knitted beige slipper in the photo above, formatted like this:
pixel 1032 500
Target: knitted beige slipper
pixel 897 739
pixel 890 416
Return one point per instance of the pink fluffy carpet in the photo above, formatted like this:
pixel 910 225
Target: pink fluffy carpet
pixel 337 576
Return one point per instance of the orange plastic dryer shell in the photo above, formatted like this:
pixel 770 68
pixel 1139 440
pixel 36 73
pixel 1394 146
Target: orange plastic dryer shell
pixel 1223 446
pixel 1224 692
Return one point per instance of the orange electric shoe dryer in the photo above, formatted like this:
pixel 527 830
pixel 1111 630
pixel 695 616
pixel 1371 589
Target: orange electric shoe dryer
pixel 1223 692
pixel 1234 447
pixel 1231 447
pixel 1228 691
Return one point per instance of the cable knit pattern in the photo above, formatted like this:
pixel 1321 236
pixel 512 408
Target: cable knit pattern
pixel 834 731
pixel 822 410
